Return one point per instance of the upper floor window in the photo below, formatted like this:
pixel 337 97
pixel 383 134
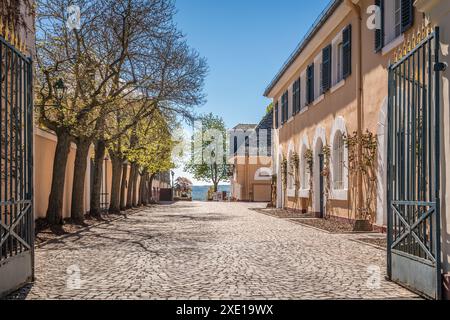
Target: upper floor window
pixel 397 16
pixel 318 76
pixel 339 48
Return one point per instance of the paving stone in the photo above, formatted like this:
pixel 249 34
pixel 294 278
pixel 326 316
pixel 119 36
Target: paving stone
pixel 208 251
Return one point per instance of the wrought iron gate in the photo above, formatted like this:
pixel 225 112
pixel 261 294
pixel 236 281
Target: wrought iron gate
pixel 16 179
pixel 414 247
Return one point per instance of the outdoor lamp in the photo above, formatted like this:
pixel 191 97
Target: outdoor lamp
pixel 60 89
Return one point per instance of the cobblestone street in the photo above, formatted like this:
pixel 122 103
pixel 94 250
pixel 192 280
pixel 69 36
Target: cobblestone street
pixel 209 251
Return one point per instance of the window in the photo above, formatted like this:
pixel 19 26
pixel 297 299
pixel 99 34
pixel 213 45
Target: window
pixel 318 89
pixel 339 62
pixel 303 90
pixel 397 16
pixel 235 144
pixel 338 161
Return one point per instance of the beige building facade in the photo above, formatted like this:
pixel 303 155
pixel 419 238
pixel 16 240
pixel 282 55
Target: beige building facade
pixel 329 109
pixel 336 83
pixel 251 147
pixel 45 146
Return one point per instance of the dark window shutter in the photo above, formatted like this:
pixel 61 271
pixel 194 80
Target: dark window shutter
pixel 347 51
pixel 310 84
pixel 379 33
pixel 294 97
pixel 407 15
pixel 276 115
pixel 326 68
pixel 299 94
pixel 287 105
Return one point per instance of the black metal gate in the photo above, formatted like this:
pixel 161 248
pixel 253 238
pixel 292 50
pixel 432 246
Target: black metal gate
pixel 414 247
pixel 16 179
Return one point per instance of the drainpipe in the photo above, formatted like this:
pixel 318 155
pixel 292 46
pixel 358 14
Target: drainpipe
pixel 359 101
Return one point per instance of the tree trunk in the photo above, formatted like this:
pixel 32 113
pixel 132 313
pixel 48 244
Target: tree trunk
pixel 143 201
pixel 145 194
pixel 130 186
pixel 79 177
pixel 216 186
pixel 100 148
pixel 114 206
pixel 150 188
pixel 55 200
pixel 135 186
pixel 141 185
pixel 123 187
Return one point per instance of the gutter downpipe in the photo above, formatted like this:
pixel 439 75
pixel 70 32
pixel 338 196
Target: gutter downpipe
pixel 359 103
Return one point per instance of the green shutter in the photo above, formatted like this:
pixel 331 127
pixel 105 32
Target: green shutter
pixel 276 115
pixel 379 33
pixel 407 15
pixel 326 68
pixel 347 51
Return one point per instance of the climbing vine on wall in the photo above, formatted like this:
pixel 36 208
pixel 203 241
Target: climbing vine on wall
pixel 326 173
pixel 294 162
pixel 284 177
pixel 366 166
pixel 309 158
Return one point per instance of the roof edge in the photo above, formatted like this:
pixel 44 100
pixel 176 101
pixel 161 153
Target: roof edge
pixel 318 23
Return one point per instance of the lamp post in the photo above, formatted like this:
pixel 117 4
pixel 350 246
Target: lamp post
pixel 173 191
pixel 60 90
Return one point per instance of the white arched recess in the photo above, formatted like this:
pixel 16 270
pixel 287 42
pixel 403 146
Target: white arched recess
pixel 339 127
pixel 319 141
pixel 279 178
pixel 304 189
pixel 382 136
pixel 290 178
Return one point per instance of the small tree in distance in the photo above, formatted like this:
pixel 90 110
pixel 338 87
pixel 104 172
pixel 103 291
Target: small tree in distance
pixel 209 155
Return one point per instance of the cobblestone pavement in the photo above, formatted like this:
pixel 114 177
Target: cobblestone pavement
pixel 209 251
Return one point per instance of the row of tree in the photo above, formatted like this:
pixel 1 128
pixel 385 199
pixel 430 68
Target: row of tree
pixel 119 78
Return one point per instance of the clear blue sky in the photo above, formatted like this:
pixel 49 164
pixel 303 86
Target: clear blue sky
pixel 245 42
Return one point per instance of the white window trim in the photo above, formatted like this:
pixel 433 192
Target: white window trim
pixel 337 86
pixel 318 99
pixel 339 194
pixel 334 70
pixel 302 91
pixel 317 78
pixel 393 44
pixel 303 193
pixel 304 110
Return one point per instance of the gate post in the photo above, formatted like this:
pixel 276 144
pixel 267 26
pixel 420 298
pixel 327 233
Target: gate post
pixel 437 98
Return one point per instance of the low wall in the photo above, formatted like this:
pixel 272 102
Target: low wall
pixel 44 151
